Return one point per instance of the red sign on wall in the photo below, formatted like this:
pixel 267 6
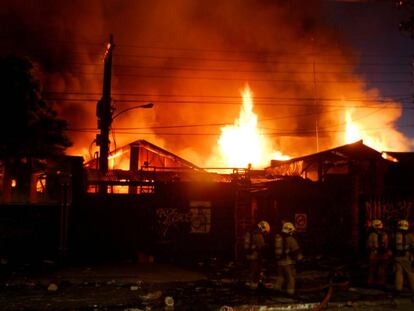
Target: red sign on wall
pixel 301 222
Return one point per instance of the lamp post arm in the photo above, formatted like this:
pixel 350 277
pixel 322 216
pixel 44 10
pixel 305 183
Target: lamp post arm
pixel 149 105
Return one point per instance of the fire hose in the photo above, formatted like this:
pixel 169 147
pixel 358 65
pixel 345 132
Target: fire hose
pixel 336 281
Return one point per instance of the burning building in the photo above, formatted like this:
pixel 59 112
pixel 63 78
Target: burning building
pixel 301 95
pixel 191 60
pixel 357 184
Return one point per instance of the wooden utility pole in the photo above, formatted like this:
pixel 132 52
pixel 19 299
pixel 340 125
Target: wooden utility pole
pixel 104 113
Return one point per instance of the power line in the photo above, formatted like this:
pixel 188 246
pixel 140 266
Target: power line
pixel 296 133
pixel 259 61
pixel 229 123
pixel 131 93
pixel 100 43
pixel 258 104
pixel 132 96
pixel 294 81
pixel 257 52
pixel 231 70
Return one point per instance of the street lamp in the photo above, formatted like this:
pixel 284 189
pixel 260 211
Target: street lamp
pixel 105 120
pixel 104 112
pixel 144 106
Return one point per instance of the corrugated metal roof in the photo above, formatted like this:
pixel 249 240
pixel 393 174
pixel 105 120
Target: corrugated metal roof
pixel 152 148
pixel 355 151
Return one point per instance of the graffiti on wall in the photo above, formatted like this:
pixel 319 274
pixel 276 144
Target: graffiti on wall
pixel 388 210
pixel 172 223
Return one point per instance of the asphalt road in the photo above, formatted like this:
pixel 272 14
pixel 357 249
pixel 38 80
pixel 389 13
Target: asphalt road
pixel 201 295
pixel 133 287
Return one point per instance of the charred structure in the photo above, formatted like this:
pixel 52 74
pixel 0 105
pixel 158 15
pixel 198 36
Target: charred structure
pixel 165 207
pixel 142 200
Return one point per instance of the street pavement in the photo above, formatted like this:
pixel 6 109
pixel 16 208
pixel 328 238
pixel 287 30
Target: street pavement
pixel 322 284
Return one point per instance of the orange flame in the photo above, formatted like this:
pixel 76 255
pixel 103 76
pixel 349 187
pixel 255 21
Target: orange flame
pixel 241 144
pixel 118 161
pixel 373 132
pixel 353 132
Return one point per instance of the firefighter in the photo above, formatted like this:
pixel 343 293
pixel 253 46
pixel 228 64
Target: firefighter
pixel 287 252
pixel 403 259
pixel 254 245
pixel 379 254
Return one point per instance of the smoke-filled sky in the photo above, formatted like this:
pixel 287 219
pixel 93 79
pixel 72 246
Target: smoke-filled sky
pixel 306 62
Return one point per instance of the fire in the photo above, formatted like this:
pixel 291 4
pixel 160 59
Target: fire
pixel 375 132
pixel 241 144
pixel 355 132
pixel 116 160
pixel 352 132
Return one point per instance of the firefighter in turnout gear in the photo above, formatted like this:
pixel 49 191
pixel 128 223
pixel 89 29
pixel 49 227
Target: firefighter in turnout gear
pixel 254 244
pixel 287 252
pixel 379 254
pixel 403 259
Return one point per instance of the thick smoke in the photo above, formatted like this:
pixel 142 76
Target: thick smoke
pixel 191 59
pixel 59 35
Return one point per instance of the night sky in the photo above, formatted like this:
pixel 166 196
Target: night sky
pixel 385 53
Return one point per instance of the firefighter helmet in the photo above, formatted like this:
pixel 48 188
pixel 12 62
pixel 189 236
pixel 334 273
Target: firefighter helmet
pixel 403 224
pixel 288 228
pixel 264 226
pixel 377 224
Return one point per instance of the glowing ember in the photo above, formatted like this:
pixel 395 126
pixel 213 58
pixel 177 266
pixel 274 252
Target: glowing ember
pixel 241 144
pixel 389 157
pixel 277 155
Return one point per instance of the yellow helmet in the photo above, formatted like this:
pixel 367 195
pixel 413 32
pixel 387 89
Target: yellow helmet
pixel 403 224
pixel 264 226
pixel 377 224
pixel 288 228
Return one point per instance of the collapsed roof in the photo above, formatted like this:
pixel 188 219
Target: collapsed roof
pixel 315 166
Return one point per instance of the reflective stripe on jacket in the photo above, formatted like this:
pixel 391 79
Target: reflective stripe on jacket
pixel 404 244
pixel 378 243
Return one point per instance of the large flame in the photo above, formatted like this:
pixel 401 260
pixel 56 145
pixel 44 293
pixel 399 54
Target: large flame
pixel 241 144
pixel 353 132
pixel 375 132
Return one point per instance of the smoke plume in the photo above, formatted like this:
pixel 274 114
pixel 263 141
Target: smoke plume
pixel 191 59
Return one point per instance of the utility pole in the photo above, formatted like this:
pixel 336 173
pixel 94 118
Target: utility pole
pixel 104 113
pixel 315 94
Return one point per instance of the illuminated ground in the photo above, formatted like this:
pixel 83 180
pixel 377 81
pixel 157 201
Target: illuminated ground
pixel 136 287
